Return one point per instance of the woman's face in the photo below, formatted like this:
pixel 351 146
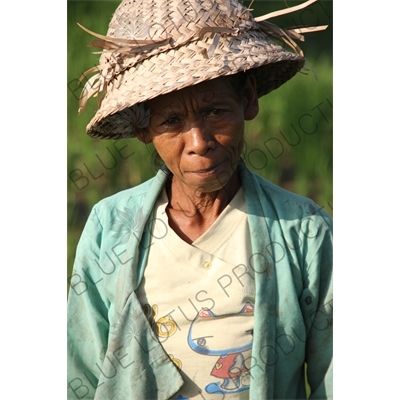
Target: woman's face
pixel 199 131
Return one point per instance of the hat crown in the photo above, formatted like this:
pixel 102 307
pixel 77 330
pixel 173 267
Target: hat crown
pixel 178 20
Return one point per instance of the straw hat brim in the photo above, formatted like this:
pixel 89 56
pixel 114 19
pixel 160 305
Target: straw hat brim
pixel 185 66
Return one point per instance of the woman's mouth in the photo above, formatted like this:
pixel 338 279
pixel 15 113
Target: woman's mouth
pixel 208 171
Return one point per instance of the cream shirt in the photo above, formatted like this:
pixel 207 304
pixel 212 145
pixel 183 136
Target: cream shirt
pixel 199 300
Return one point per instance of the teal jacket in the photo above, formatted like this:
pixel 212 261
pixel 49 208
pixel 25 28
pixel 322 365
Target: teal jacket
pixel 112 351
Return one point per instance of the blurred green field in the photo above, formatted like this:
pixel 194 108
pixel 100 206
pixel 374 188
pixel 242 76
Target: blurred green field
pixel 289 143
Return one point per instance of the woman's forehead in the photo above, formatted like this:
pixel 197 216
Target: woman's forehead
pixel 216 91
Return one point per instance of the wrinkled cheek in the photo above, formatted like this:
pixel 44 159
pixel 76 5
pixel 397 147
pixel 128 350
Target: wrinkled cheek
pixel 165 151
pixel 241 147
pixel 238 150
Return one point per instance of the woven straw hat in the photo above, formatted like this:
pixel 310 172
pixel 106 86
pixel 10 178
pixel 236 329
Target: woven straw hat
pixel 154 47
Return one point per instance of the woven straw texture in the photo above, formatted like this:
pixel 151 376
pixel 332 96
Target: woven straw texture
pixel 156 47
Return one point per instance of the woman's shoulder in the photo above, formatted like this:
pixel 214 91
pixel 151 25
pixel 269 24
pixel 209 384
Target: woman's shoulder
pixel 129 200
pixel 286 204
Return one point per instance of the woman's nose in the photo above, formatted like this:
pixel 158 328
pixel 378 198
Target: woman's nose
pixel 199 139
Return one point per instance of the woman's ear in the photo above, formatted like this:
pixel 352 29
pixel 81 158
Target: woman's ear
pixel 250 98
pixel 143 135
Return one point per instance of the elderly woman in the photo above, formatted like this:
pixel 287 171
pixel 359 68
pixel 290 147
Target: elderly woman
pixel 222 287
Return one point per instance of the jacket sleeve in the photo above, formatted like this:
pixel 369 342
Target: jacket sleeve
pixel 88 326
pixel 317 304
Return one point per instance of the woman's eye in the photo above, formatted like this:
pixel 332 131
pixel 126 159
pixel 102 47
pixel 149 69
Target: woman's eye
pixel 215 113
pixel 171 121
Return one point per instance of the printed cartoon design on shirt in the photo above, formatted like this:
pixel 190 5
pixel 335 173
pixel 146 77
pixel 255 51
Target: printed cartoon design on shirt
pixel 206 337
pixel 164 327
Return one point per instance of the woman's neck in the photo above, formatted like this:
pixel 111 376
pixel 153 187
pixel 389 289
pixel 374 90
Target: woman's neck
pixel 191 212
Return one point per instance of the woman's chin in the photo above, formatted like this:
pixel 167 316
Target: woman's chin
pixel 210 181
